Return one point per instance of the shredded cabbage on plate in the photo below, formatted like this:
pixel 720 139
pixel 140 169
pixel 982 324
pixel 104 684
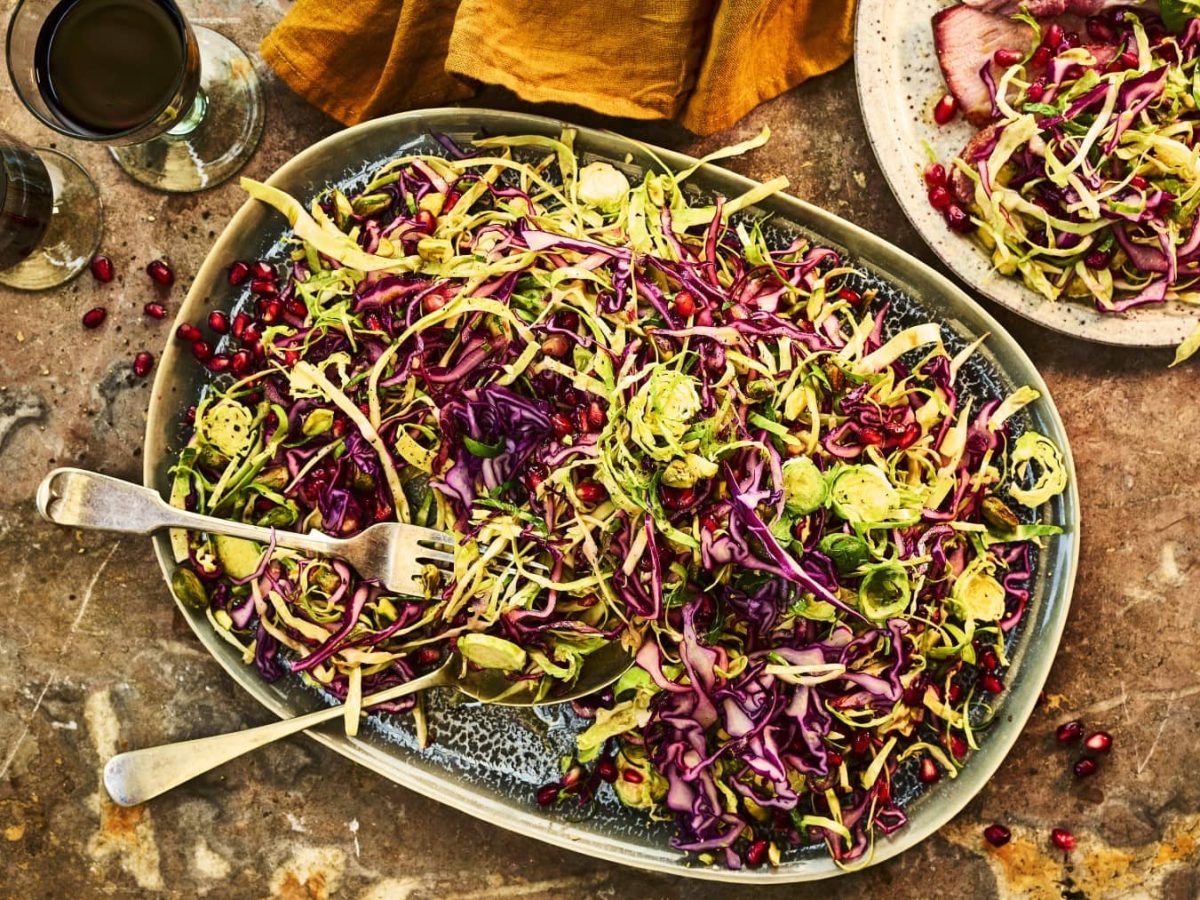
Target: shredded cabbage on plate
pixel 709 440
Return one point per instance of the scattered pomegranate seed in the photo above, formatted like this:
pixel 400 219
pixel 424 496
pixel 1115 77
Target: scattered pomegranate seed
pixel 1069 732
pixel 427 656
pixel 188 333
pixel 425 221
pixel 547 794
pixel 160 272
pixel 756 853
pixel 240 362
pixel 997 835
pixel 296 307
pixel 102 268
pixel 989 661
pixel 1005 57
pixel 1053 37
pixel 850 296
pixel 1070 40
pixel 928 773
pixel 591 492
pixel 677 498
pixel 238 273
pixel 1040 58
pixel 272 311
pixel 991 684
pixel 251 333
pixel 562 425
pixel 219 362
pixel 1035 92
pixel 957 745
pixel 861 742
pixel 432 302
pixel 1139 182
pixel 935 174
pixel 957 219
pixel 1085 767
pixel 684 304
pixel 607 770
pixel 1097 259
pixel 1129 59
pixel 94 317
pixel 835 759
pixel 155 310
pixel 143 363
pixel 955 692
pixel 1063 839
pixel 582 422
pixel 261 287
pixel 202 350
pixel 1098 742
pixel 939 197
pixel 218 322
pixel 262 270
pixel 596 414
pixel 240 321
pixel 945 109
pixel 633 776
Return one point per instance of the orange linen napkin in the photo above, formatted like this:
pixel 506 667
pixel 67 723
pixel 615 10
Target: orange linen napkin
pixel 706 62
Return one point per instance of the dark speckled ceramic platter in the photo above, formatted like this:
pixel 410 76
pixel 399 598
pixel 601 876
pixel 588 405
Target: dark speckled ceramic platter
pixel 488 761
pixel 899 82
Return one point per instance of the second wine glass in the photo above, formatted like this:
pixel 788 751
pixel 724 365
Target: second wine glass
pixel 181 105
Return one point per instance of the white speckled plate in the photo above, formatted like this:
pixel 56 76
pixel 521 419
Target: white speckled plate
pixel 898 83
pixel 489 761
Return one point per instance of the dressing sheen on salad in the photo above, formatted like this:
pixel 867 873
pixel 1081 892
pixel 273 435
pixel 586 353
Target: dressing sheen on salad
pixel 706 440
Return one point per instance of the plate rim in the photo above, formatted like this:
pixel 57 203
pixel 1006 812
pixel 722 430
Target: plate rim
pixel 1024 302
pixel 164 411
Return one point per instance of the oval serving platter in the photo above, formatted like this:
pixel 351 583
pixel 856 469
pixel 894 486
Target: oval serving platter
pixel 899 81
pixel 489 761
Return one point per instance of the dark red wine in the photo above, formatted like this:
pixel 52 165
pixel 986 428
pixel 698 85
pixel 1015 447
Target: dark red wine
pixel 26 202
pixel 111 66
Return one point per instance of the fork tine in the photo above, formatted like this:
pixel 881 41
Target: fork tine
pixel 435 556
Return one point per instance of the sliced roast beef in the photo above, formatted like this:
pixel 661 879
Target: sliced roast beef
pixel 966 39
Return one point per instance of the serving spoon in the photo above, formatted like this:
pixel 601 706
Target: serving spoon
pixel 140 775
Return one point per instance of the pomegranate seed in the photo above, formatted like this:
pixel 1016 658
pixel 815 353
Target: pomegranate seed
pixel 547 794
pixel 218 322
pixel 240 321
pixel 677 498
pixel 633 776
pixel 861 743
pixel 155 310
pixel 929 771
pixel 684 304
pixel 997 835
pixel 191 413
pixel 262 288
pixel 1139 182
pixel 188 333
pixel 1035 92
pixel 555 346
pixel 850 296
pixel 240 362
pixel 1086 767
pixel 291 357
pixel 756 853
pixel 296 307
pixel 935 174
pixel 582 421
pixel 1069 732
pixel 561 424
pixel 272 311
pixel 957 745
pixel 143 363
pixel 835 759
pixel 1053 37
pixel 1100 31
pixel 991 684
pixel 251 333
pixel 425 221
pixel 591 492
pixel 219 362
pixel 596 414
pixel 1063 839
pixel 1129 59
pixel 1097 259
pixel 1005 57
pixel 945 109
pixel 955 692
pixel 433 302
pixel 94 317
pixel 568 320
pixel 160 272
pixel 262 270
pixel 202 350
pixel 939 197
pixel 957 219
pixel 102 269
pixel 1040 58
pixel 607 770
pixel 238 273
pixel 988 661
pixel 1098 742
pixel 1070 40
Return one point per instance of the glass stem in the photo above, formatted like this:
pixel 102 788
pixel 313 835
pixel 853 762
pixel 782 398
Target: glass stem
pixel 194 117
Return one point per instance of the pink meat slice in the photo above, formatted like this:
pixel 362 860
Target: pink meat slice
pixel 1041 9
pixel 965 39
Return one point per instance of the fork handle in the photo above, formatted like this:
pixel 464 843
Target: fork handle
pixel 82 499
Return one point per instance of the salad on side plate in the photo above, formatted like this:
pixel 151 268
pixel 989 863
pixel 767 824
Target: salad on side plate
pixel 714 442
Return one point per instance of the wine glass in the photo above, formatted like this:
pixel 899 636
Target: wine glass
pixel 50 217
pixel 181 106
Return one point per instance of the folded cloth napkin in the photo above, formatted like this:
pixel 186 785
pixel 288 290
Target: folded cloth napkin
pixel 705 62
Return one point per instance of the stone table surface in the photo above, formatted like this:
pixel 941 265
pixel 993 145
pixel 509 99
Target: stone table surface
pixel 94 656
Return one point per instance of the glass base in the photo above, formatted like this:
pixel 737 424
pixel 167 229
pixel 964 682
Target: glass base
pixel 217 137
pixel 73 235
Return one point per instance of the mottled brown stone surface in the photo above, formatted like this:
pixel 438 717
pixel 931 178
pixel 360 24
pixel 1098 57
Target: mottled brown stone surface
pixel 94 658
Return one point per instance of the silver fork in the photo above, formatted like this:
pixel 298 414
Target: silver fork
pixel 393 553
